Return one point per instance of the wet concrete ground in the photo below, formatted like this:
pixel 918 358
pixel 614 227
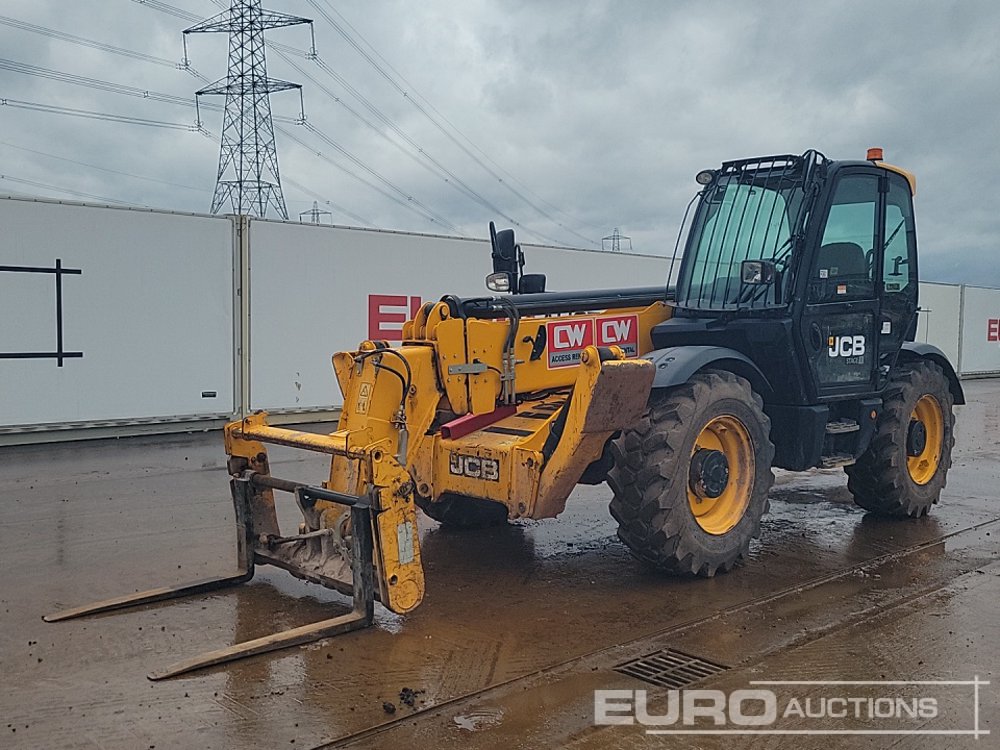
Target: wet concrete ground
pixel 518 627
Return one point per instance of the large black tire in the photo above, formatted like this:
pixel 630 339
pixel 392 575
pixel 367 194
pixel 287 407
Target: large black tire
pixel 654 501
pixel 887 479
pixel 463 512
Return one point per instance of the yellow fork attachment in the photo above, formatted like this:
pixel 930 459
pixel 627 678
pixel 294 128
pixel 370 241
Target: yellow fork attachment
pixel 363 545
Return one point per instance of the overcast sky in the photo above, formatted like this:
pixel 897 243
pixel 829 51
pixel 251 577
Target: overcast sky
pixel 598 114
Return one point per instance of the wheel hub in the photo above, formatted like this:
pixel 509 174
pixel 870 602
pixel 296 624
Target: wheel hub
pixel 709 473
pixel 925 439
pixel 720 472
pixel 916 438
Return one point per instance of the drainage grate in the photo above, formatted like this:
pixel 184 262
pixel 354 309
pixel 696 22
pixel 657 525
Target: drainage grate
pixel 670 668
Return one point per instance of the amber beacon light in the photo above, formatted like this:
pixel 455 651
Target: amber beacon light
pixel 874 154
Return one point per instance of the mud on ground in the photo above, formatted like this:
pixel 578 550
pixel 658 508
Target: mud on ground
pixel 519 626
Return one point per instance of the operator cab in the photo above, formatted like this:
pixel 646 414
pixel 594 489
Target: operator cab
pixel 799 259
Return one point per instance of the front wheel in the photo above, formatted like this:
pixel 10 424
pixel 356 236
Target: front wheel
pixel 691 478
pixel 906 465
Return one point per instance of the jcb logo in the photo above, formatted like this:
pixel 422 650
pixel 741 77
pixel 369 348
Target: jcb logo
pixel 846 346
pixel 474 467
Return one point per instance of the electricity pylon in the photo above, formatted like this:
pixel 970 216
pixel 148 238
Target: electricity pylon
pixel 248 176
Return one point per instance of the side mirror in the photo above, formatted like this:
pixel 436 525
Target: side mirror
pixel 758 272
pixel 508 260
pixel 504 250
pixel 532 283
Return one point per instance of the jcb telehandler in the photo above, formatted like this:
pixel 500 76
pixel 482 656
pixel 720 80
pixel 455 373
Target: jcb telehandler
pixel 786 341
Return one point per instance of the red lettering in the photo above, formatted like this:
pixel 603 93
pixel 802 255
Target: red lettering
pixel 993 329
pixel 387 313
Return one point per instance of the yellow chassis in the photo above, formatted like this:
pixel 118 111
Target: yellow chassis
pixel 527 455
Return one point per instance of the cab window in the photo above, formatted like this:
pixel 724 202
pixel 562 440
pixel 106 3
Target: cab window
pixel 844 267
pixel 899 271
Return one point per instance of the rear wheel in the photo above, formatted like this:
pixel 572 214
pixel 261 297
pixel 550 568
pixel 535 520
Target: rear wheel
pixel 463 512
pixel 691 478
pixel 906 466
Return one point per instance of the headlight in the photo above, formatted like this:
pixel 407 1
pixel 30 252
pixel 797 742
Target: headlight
pixel 705 177
pixel 498 282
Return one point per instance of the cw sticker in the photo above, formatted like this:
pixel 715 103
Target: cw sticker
pixel 568 338
pixel 619 330
pixel 364 399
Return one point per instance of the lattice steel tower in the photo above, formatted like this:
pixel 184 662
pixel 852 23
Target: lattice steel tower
pixel 248 160
pixel 616 238
pixel 315 215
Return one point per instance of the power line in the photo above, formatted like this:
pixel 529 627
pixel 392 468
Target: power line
pixel 445 174
pixel 410 201
pixel 331 204
pixel 413 96
pixel 168 9
pixel 115 88
pixel 436 218
pixel 442 173
pixel 313 193
pixel 68 191
pixel 103 169
pixel 426 212
pixel 94 83
pixel 385 193
pixel 172 99
pixel 63 36
pixel 414 93
pixel 89 114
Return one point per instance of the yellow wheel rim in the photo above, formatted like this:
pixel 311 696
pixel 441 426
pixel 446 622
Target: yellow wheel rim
pixel 729 436
pixel 924 465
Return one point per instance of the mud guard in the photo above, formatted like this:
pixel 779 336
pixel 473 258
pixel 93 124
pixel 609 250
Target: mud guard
pixel 912 351
pixel 676 364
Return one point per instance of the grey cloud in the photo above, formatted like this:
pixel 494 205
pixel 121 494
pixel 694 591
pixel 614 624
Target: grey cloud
pixel 603 109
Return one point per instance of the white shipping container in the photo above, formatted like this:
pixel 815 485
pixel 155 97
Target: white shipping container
pixel 149 299
pixel 938 319
pixel 980 331
pixel 151 312
pixel 316 290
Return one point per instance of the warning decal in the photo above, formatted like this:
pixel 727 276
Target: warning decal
pixel 364 398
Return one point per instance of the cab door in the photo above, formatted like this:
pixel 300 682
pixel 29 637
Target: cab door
pixel 899 269
pixel 841 313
